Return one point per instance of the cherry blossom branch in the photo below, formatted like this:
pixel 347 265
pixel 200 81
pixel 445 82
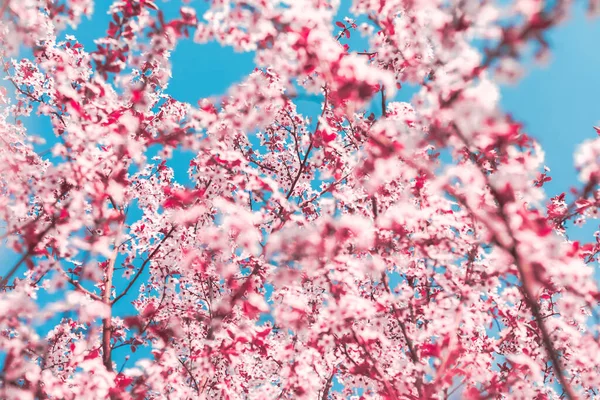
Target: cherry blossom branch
pixel 143 266
pixel 33 98
pixel 220 315
pixel 310 147
pixel 533 306
pixel 412 352
pixel 107 321
pixel 527 294
pixel 389 388
pixel 78 285
pixel 14 269
pixel 325 394
pixel 25 256
pixel 191 375
pixel 327 189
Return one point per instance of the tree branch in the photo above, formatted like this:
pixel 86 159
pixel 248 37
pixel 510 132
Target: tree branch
pixel 310 147
pixel 143 266
pixel 77 285
pixel 191 376
pixel 107 321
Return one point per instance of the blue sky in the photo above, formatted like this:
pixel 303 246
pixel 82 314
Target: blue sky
pixel 558 103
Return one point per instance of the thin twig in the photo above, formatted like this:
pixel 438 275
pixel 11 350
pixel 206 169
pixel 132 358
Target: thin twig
pixel 143 266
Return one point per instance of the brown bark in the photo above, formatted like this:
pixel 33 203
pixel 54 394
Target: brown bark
pixel 107 321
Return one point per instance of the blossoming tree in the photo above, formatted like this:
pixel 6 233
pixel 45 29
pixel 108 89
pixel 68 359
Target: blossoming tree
pixel 410 253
